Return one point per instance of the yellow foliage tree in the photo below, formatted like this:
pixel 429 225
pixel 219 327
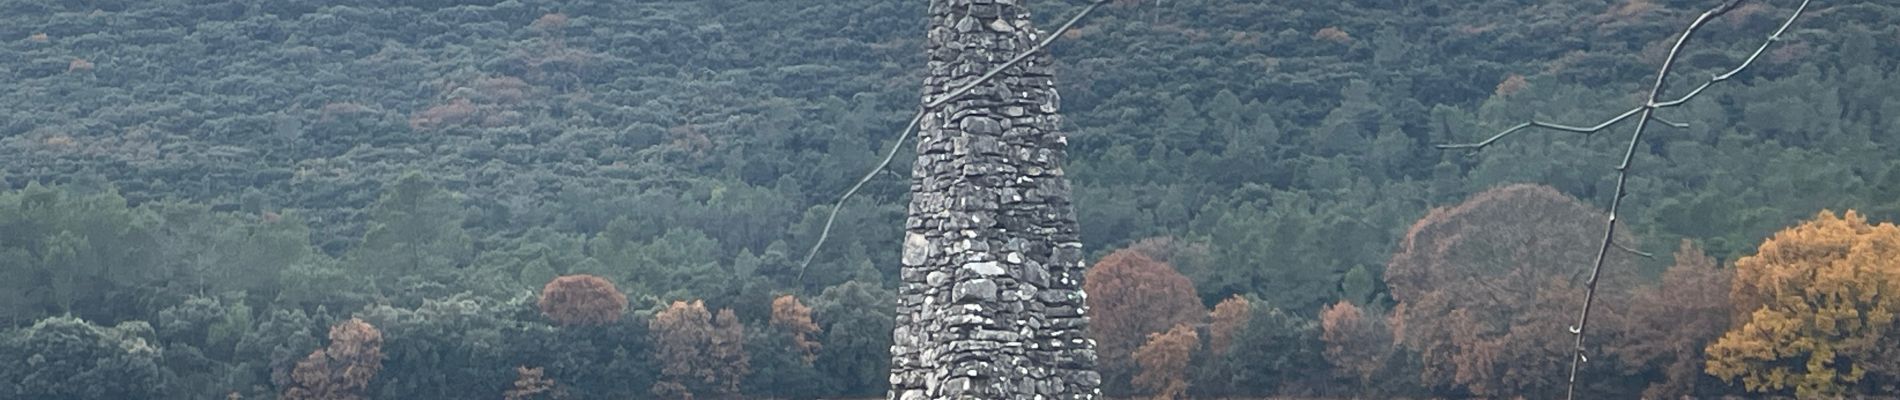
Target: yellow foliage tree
pixel 1819 301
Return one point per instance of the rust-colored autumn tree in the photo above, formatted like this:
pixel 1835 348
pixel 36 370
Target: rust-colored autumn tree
pixel 530 383
pixel 1817 304
pixel 792 317
pixel 1669 324
pixel 698 352
pixel 681 334
pixel 1130 297
pixel 729 359
pixel 1227 319
pixel 1486 289
pixel 582 300
pixel 1164 362
pixel 343 370
pixel 1357 344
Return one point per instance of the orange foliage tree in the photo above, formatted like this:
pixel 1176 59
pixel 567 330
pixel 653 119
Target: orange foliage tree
pixel 729 359
pixel 1817 304
pixel 1486 289
pixel 1130 297
pixel 794 318
pixel 343 370
pixel 1356 344
pixel 1164 362
pixel 1669 325
pixel 1227 319
pixel 582 300
pixel 698 351
pixel 530 383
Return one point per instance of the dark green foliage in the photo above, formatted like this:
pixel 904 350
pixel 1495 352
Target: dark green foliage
pixel 857 319
pixel 415 231
pixel 272 349
pixel 455 347
pixel 430 163
pixel 1276 352
pixel 778 369
pixel 73 252
pixel 69 358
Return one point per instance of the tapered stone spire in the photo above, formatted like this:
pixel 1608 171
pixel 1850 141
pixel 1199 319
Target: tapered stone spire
pixel 991 303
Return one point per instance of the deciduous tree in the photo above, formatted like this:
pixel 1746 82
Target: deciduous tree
pixel 1132 296
pixel 1164 361
pixel 1816 304
pixel 1357 344
pixel 582 300
pixel 1670 324
pixel 343 370
pixel 727 352
pixel 1485 288
pixel 794 318
pixel 1227 319
pixel 681 335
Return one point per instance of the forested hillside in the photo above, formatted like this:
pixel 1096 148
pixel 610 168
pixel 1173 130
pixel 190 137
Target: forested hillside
pixel 202 194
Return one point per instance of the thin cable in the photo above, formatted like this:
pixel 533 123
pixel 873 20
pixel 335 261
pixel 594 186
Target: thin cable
pixel 904 135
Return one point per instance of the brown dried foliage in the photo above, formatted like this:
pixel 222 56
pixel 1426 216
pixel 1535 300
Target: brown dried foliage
pixel 1227 319
pixel 794 318
pixel 728 353
pixel 79 65
pixel 551 22
pixel 1132 296
pixel 458 111
pixel 681 334
pixel 1334 34
pixel 582 300
pixel 1511 85
pixel 531 383
pixel 1164 362
pixel 1669 325
pixel 697 350
pixel 1487 288
pixel 1357 344
pixel 344 369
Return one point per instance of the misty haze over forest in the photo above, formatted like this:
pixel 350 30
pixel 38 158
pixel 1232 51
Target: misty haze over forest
pixel 581 199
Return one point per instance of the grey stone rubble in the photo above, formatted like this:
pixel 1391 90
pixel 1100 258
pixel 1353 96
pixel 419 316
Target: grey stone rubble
pixel 991 304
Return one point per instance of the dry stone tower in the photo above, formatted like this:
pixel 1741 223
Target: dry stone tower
pixel 991 304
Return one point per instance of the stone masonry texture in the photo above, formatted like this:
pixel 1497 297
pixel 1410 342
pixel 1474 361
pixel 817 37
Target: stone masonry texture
pixel 991 303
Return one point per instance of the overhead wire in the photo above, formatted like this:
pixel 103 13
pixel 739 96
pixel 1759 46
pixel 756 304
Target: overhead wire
pixel 904 135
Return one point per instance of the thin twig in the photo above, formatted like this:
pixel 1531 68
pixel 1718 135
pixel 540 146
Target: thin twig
pixel 1645 113
pixel 1581 329
pixel 1638 253
pixel 904 135
pixel 1546 125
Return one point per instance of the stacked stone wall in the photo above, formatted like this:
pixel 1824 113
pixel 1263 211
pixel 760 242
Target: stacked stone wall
pixel 991 303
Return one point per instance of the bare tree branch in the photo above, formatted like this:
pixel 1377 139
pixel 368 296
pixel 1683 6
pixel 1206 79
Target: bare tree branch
pixel 1645 114
pixel 903 136
pixel 1776 37
pixel 1546 125
pixel 1638 253
pixel 1677 125
pixel 1581 329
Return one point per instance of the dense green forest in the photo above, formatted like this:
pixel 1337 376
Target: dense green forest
pixel 211 198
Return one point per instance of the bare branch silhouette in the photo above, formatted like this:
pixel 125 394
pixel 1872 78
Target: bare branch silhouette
pixel 1644 115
